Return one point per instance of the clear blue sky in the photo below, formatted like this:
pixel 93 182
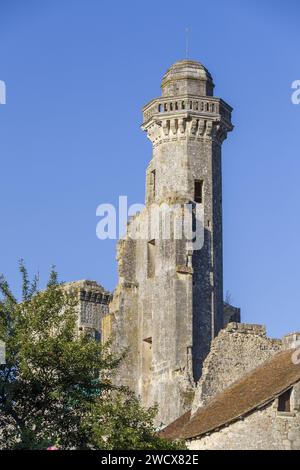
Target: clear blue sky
pixel 78 73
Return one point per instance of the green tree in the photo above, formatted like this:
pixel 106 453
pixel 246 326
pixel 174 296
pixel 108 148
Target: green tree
pixel 56 384
pixel 121 423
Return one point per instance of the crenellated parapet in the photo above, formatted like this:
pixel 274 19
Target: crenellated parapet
pixel 187 117
pixel 207 106
pixel 93 304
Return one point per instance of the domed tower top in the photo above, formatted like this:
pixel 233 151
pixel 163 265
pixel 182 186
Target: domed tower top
pixel 187 77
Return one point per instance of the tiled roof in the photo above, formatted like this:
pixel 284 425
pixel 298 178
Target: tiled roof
pixel 254 390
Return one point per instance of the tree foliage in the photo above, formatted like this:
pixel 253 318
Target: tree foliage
pixel 56 387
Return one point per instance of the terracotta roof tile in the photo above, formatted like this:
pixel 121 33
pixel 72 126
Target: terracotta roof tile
pixel 254 390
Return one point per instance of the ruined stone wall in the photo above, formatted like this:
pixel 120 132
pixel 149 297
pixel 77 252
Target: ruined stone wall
pixel 238 349
pixel 231 314
pixel 263 429
pixel 125 335
pixel 152 321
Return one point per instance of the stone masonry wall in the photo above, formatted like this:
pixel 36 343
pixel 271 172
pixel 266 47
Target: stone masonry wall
pixel 238 349
pixel 92 306
pixel 152 321
pixel 264 429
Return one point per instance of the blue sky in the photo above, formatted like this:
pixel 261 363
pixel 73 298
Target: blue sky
pixel 78 73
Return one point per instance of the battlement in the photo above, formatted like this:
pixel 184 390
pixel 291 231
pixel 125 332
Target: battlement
pixel 93 305
pixel 90 291
pixel 246 328
pixel 215 108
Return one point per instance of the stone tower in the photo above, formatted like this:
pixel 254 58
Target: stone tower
pixel 92 307
pixel 168 305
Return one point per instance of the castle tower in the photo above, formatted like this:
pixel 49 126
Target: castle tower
pixel 168 305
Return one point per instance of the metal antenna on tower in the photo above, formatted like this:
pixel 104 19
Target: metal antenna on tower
pixel 187 43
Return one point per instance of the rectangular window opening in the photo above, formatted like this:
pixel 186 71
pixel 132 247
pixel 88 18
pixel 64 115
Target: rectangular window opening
pixel 284 401
pixel 151 255
pixel 146 367
pixel 153 183
pixel 198 197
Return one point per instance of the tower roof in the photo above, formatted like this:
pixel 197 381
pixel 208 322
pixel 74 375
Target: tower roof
pixel 187 77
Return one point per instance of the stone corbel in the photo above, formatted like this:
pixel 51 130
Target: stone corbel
pixel 181 125
pixel 166 127
pixel 154 132
pixel 209 129
pixel 173 126
pixel 201 127
pixel 194 126
pixel 220 133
